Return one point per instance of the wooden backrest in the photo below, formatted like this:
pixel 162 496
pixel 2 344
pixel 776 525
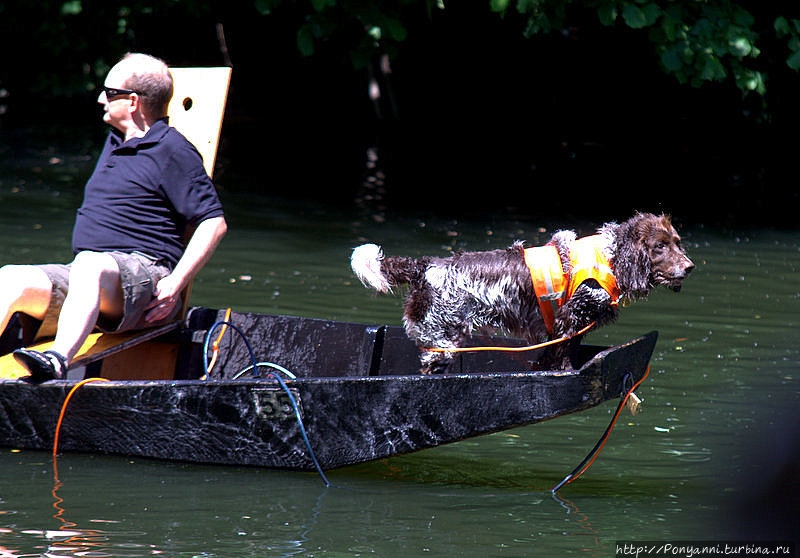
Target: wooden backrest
pixel 197 108
pixel 196 111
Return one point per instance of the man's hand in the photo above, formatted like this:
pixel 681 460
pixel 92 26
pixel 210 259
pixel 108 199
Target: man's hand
pixel 204 241
pixel 166 297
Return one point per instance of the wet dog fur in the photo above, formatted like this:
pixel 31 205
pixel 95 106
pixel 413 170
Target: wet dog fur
pixel 450 297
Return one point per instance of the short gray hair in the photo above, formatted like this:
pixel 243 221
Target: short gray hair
pixel 149 77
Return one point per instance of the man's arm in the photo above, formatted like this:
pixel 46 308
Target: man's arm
pixel 204 241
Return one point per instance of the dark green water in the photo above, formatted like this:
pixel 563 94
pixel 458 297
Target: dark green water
pixel 706 460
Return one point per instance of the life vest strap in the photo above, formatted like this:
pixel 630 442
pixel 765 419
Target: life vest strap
pixel 549 281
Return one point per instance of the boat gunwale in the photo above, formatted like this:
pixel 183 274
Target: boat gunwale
pixel 587 369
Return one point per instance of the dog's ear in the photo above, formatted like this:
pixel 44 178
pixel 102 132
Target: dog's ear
pixel 632 258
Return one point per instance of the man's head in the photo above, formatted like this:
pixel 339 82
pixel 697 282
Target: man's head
pixel 138 87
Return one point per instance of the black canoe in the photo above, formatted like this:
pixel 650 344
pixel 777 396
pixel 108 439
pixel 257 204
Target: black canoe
pixel 357 390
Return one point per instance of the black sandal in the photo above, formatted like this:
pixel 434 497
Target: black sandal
pixel 45 366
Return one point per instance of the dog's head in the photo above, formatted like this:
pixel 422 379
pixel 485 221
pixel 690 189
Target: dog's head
pixel 649 253
pixel 669 264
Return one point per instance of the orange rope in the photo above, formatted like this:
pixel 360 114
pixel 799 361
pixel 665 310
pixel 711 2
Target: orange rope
pixel 215 346
pixel 64 408
pixel 613 422
pixel 526 348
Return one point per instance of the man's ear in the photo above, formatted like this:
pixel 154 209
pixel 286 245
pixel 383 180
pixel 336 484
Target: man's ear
pixel 136 103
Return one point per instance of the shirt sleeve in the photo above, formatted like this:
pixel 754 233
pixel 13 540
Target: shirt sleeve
pixel 188 187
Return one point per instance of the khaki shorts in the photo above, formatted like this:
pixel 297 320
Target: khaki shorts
pixel 139 275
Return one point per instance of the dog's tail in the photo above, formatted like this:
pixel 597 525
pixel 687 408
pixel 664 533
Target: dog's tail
pixel 380 273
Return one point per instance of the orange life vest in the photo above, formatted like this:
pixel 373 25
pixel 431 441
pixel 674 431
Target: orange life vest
pixel 553 287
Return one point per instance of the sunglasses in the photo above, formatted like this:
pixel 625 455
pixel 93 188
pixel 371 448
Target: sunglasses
pixel 113 92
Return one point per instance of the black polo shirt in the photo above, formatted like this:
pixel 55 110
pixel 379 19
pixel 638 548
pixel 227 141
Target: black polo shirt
pixel 143 193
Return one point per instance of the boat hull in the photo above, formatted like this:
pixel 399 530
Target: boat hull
pixel 348 420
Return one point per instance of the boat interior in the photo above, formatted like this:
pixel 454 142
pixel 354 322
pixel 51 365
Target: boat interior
pixel 217 345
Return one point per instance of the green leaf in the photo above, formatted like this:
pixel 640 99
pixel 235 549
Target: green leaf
pixel 671 59
pixel 265 7
pixel 782 26
pixel 651 13
pixel 320 5
pixel 749 80
pixel 499 5
pixel 305 40
pixel 607 13
pixel 396 29
pixel 740 46
pixel 712 68
pixel 743 17
pixel 634 16
pixel 794 60
pixel 74 7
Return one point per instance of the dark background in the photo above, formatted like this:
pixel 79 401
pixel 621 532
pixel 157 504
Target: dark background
pixel 474 118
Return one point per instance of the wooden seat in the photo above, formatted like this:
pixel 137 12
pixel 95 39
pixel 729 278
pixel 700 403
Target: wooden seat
pixel 196 110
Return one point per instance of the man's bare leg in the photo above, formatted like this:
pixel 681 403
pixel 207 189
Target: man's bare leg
pixel 23 288
pixel 94 288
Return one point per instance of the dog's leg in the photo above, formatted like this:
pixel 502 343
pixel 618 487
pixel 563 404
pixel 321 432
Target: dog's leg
pixel 590 303
pixel 431 322
pixel 434 362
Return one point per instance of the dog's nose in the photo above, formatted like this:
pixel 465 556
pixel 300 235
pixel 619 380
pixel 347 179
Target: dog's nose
pixel 687 269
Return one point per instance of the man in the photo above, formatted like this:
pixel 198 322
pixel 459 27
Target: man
pixel 130 263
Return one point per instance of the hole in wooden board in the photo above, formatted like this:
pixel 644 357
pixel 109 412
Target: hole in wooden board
pixel 187 103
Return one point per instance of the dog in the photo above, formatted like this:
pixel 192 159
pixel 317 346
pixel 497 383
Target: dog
pixel 550 292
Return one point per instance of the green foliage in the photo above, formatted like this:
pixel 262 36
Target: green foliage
pixel 697 41
pixel 366 28
pixel 69 44
pixel 790 30
pixel 65 47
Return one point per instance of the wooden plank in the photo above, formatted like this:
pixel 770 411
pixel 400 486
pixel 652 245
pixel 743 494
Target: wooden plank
pixel 152 360
pixel 197 108
pixel 97 346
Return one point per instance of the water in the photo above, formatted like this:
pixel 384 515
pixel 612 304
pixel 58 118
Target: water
pixel 710 458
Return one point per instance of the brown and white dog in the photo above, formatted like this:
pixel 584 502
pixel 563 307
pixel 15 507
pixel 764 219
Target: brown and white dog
pixel 450 297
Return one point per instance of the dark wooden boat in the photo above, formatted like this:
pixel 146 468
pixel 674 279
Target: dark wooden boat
pixel 357 391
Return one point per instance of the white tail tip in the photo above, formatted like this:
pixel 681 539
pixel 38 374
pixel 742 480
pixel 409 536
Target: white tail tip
pixel 366 264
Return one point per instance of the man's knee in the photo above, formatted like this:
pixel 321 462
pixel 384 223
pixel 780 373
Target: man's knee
pixel 93 267
pixel 91 260
pixel 23 288
pixel 17 281
pixel 95 274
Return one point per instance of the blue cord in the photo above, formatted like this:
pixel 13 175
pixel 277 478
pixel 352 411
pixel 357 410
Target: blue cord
pixel 277 377
pixel 268 364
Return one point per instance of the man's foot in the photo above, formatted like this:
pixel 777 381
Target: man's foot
pixel 45 366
